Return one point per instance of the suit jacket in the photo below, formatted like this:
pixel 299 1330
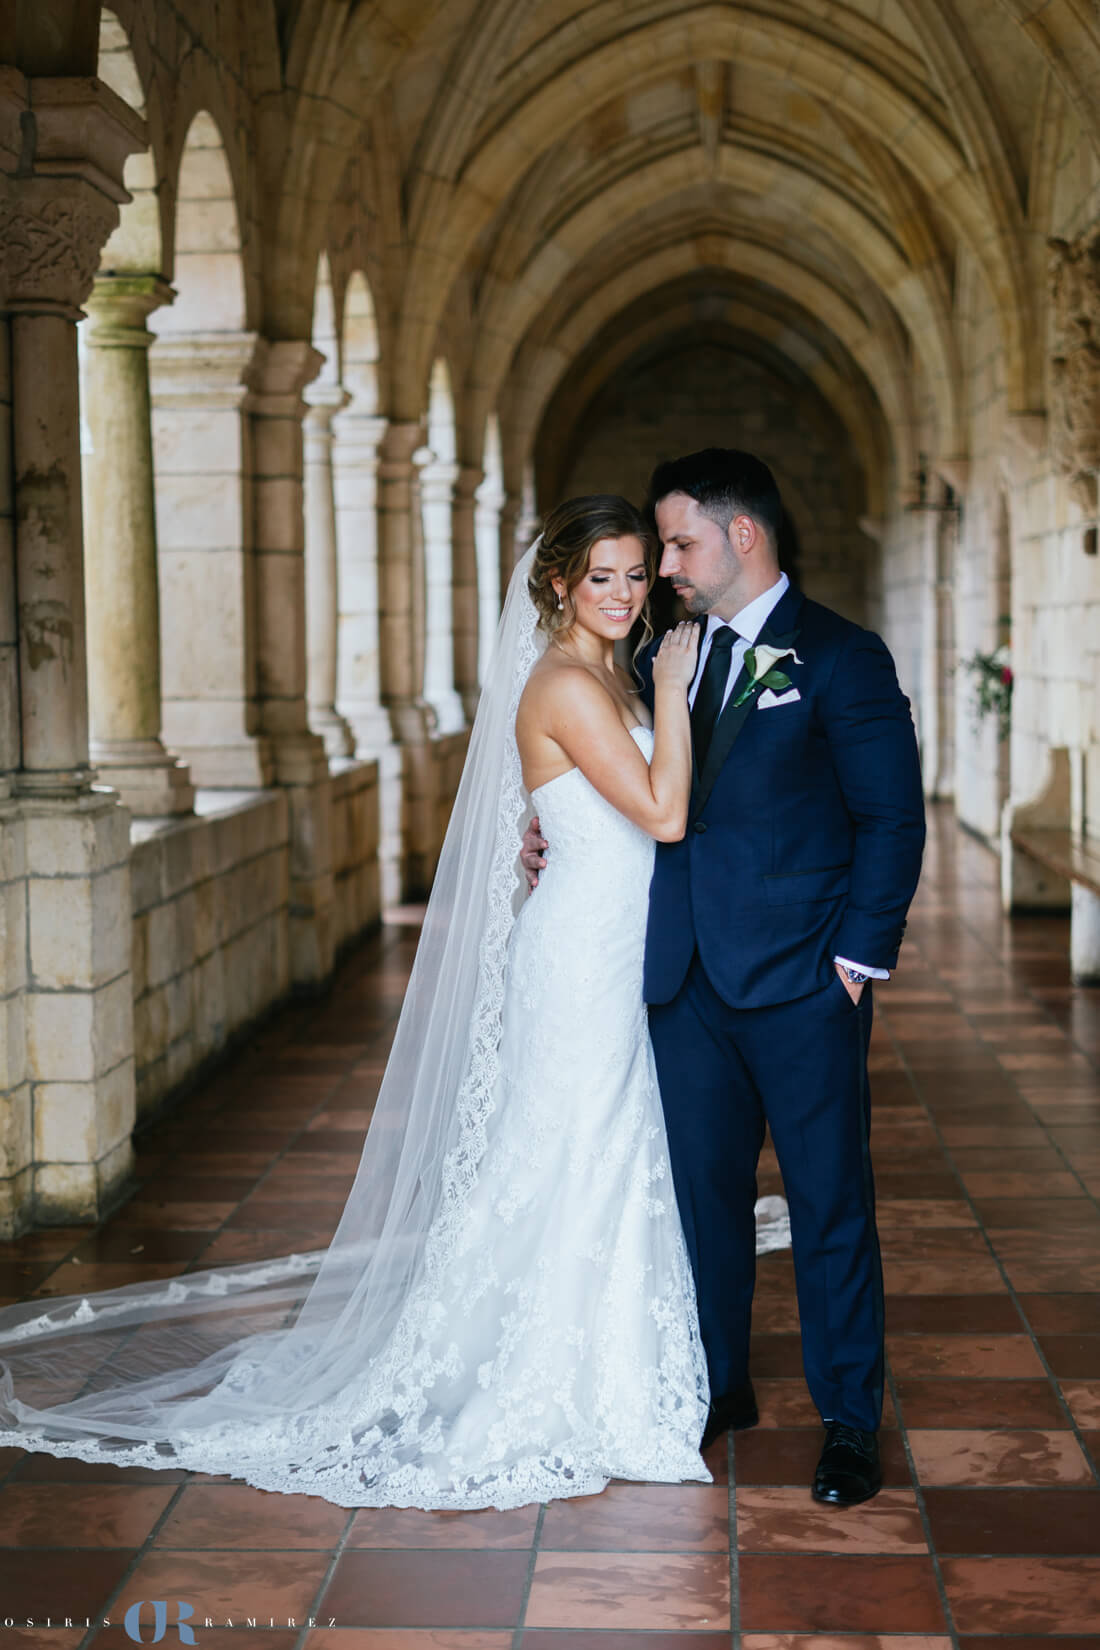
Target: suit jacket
pixel 806 827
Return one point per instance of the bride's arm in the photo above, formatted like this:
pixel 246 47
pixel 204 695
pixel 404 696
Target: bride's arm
pixel 581 717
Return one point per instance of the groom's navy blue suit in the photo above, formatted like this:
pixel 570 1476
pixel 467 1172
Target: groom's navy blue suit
pixel 803 843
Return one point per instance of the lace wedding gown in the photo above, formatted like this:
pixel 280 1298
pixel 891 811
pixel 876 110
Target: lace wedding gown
pixel 547 1338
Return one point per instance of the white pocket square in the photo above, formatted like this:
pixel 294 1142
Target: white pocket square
pixel 768 698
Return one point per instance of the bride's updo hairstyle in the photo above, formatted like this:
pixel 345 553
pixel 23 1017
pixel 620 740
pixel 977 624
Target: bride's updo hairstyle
pixel 568 534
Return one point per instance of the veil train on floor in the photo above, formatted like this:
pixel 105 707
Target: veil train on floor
pixel 168 1373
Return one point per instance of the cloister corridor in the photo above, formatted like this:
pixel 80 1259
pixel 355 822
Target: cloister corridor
pixel 310 311
pixel 987 1536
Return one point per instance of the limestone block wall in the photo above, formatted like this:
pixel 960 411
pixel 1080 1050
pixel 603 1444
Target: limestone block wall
pixel 15 1086
pixel 210 932
pixel 708 396
pixel 66 1005
pixel 1025 568
pixel 450 754
pixel 899 607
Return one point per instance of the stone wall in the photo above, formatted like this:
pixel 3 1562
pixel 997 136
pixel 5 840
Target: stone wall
pixel 1025 555
pixel 355 844
pixel 210 934
pixel 706 395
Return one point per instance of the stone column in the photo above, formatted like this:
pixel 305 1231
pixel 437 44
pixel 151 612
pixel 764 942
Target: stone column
pixel 508 522
pixel 358 438
pixel 490 499
pixel 464 600
pixel 121 561
pixel 400 628
pixel 279 375
pixel 202 442
pixel 322 572
pixel 930 729
pixel 67 1034
pixel 437 495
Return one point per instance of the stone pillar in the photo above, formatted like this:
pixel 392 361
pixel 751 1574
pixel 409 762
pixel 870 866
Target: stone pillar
pixel 437 497
pixel 202 442
pixel 121 560
pixel 464 603
pixel 400 630
pixel 67 1030
pixel 930 731
pixel 490 500
pixel 279 375
pixel 509 521
pixel 358 438
pixel 322 573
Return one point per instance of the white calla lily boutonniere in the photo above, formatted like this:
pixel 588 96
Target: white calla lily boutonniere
pixel 761 662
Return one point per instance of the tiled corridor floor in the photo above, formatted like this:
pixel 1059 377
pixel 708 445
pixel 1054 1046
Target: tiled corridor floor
pixel 987 1146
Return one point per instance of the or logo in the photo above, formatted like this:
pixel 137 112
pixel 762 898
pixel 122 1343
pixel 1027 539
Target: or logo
pixel 132 1621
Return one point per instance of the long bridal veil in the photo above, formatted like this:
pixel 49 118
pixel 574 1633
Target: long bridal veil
pixel 301 1373
pixel 218 1366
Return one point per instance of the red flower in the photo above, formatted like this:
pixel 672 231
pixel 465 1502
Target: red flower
pixel 1006 675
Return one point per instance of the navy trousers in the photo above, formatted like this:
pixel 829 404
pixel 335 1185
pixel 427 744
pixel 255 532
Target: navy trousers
pixel 801 1068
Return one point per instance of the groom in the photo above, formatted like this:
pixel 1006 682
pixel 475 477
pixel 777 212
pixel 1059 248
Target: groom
pixel 767 921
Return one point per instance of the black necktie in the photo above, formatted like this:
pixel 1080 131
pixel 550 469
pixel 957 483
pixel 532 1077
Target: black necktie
pixel 712 690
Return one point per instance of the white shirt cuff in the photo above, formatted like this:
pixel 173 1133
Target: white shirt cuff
pixel 862 968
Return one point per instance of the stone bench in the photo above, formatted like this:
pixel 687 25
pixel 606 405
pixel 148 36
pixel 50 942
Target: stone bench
pixel 1074 861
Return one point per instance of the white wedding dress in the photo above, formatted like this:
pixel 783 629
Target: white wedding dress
pixel 550 1342
pixel 506 1312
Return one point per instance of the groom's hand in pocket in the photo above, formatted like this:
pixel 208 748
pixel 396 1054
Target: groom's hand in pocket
pixel 854 991
pixel 531 854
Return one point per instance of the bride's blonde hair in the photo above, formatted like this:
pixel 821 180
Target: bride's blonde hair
pixel 568 534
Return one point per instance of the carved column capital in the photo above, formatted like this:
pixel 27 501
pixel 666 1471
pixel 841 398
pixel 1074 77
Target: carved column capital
pixel 279 373
pixel 119 306
pixel 58 210
pixel 467 481
pixel 395 455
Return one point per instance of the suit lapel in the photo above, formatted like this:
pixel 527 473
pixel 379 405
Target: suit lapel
pixel 780 631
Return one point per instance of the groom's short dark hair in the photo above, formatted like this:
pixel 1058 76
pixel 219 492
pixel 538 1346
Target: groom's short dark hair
pixel 724 483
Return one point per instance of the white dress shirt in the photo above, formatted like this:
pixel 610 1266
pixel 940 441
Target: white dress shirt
pixel 748 623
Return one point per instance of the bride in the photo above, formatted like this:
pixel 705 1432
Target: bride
pixel 506 1312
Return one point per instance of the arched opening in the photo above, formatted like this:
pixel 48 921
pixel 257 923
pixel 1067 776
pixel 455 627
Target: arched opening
pixel 437 486
pixel 208 273
pixel 136 243
pixel 714 385
pixel 198 365
pixel 489 501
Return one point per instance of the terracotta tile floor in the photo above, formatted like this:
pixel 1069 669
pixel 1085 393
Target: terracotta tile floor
pixel 987 1143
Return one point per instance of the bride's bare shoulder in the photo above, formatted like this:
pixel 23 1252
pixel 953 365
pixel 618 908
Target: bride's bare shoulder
pixel 558 684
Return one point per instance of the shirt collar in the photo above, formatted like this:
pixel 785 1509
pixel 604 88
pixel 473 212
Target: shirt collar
pixel 750 620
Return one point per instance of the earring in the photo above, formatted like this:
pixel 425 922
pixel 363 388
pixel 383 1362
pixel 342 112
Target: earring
pixel 561 604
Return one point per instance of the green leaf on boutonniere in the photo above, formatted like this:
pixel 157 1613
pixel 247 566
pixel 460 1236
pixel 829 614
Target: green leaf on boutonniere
pixel 776 680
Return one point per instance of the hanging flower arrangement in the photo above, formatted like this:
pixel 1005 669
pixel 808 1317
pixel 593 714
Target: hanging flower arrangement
pixel 992 678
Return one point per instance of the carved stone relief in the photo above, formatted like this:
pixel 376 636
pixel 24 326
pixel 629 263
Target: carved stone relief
pixel 1075 378
pixel 50 242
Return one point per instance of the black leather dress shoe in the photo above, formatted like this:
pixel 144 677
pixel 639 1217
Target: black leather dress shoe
pixel 849 1471
pixel 731 1412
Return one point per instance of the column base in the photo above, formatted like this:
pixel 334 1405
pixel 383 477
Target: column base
pixel 152 782
pixel 1084 943
pixel 247 766
pixel 449 714
pixel 330 726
